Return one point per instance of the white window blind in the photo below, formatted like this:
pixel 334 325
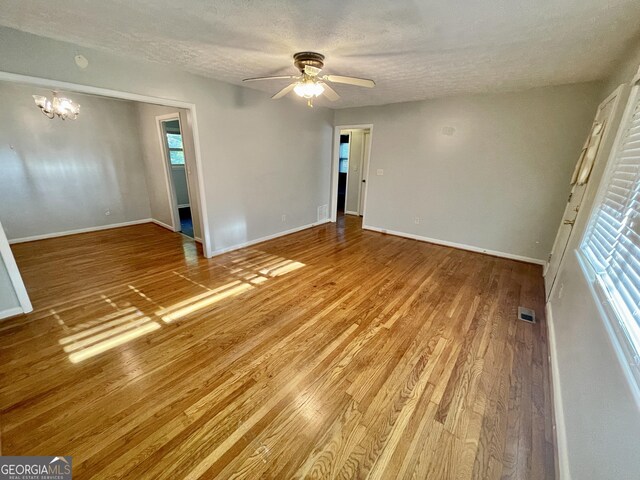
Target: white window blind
pixel 612 241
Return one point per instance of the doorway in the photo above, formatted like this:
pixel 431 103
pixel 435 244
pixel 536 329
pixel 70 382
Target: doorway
pixel 173 143
pixel 350 170
pixel 590 157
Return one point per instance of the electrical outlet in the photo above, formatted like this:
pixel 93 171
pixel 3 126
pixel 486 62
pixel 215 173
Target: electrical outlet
pixel 107 212
pixel 379 172
pixel 284 218
pixel 416 220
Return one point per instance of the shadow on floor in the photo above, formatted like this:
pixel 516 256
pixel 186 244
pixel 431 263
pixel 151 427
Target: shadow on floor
pixel 186 223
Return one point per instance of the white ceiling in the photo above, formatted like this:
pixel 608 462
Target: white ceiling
pixel 412 49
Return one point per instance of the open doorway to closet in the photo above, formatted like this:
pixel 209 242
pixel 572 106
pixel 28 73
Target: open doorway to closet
pixel 173 144
pixel 177 153
pixel 354 145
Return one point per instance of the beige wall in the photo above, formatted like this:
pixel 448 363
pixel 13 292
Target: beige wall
pixel 599 419
pixel 155 168
pixel 626 69
pixel 59 175
pixel 251 145
pixel 499 182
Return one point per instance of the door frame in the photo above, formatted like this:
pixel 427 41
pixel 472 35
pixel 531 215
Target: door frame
pixel 364 172
pixel 603 155
pixel 192 118
pixel 6 255
pixel 168 169
pixel 346 187
pixel 335 166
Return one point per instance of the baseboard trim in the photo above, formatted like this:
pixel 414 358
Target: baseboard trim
pixel 349 212
pixel 197 239
pixel 461 246
pixel 162 224
pixel 562 459
pixel 11 312
pixel 267 238
pixel 80 230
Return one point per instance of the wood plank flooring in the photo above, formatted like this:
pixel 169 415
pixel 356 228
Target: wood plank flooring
pixel 330 353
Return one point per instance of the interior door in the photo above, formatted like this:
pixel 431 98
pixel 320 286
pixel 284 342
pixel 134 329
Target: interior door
pixel 573 206
pixel 364 171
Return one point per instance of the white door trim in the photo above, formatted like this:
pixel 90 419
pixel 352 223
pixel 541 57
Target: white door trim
pixel 603 155
pixel 364 174
pixel 171 189
pixel 105 92
pixel 14 274
pixel 346 186
pixel 335 165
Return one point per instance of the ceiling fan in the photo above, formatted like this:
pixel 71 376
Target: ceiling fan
pixel 310 84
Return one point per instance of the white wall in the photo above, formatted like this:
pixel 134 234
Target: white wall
pixel 179 175
pixel 13 295
pixel 626 68
pixel 59 175
pixel 8 299
pixel 154 160
pixel 261 158
pixel 600 419
pixel 498 183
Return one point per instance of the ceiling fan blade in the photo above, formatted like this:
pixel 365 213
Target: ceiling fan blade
pixel 284 91
pixel 311 71
pixel 276 77
pixel 330 93
pixel 360 82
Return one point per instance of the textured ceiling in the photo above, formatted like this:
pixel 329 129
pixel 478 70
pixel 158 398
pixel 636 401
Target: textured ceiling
pixel 412 49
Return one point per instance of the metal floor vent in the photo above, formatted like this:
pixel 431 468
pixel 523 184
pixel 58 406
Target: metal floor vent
pixel 526 315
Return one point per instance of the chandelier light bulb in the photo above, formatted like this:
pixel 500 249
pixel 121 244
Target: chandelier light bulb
pixel 62 107
pixel 308 89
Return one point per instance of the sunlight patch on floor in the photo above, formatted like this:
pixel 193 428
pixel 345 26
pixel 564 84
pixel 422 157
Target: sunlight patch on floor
pixel 90 338
pixel 113 342
pixel 205 302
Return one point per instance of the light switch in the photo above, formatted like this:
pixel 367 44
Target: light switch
pixel 379 172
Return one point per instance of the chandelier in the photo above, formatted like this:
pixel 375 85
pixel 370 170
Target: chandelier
pixel 60 106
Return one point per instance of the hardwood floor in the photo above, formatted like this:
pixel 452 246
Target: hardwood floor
pixel 330 353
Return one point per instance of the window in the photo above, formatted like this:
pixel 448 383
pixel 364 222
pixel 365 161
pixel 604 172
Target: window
pixel 344 157
pixel 176 152
pixel 611 245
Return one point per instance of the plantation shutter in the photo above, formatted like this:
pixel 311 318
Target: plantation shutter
pixel 612 242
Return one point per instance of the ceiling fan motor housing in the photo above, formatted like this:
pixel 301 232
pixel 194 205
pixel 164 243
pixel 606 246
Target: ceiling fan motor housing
pixel 313 59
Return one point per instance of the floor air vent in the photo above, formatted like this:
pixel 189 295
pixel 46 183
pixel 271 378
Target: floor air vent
pixel 526 315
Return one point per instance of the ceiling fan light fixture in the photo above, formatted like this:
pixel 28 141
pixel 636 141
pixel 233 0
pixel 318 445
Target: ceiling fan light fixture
pixel 308 89
pixel 310 83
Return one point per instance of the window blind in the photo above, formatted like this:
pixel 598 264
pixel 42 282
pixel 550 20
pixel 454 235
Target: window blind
pixel 612 240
